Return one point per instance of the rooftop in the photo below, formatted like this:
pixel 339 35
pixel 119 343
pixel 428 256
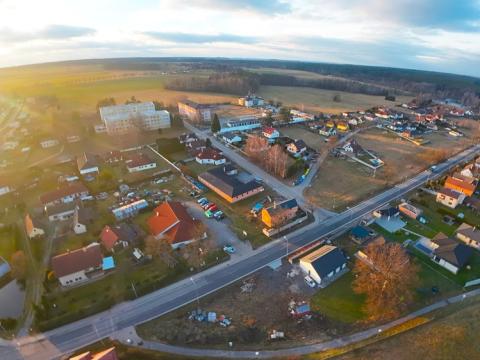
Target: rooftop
pixel 228 184
pixel 77 260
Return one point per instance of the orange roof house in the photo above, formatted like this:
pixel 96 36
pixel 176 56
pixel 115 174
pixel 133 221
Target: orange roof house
pixel 172 221
pixel 460 185
pixel 109 354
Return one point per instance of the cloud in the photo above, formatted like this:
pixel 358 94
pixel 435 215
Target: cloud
pixel 64 32
pixel 189 38
pixel 50 32
pixel 263 6
pixel 450 15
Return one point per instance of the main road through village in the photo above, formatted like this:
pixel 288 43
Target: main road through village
pixel 54 343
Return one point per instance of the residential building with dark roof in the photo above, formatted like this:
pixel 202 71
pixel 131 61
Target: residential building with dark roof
pixel 297 147
pixel 469 234
pixel 324 263
pixel 449 253
pixel 229 187
pixel 60 212
pixel 139 162
pixel 64 194
pixel 450 198
pixel 74 267
pixel 120 235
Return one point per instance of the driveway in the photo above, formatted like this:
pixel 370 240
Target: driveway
pixel 221 232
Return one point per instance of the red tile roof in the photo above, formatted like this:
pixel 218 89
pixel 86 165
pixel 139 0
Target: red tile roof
pixel 108 237
pixel 81 259
pixel 172 219
pixel 138 160
pixel 269 130
pixel 55 195
pixel 465 187
pixel 209 154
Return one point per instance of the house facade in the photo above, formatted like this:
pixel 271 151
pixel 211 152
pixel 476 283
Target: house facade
pixel 323 264
pixel 450 198
pixel 279 214
pixel 74 267
pixel 140 162
pixel 297 147
pixel 210 156
pixel 87 164
pixel 64 194
pixel 469 234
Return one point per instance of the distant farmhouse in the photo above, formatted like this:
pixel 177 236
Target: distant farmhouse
pixel 121 119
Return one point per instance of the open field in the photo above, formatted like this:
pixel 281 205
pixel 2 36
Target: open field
pixel 318 100
pixel 451 335
pixel 340 183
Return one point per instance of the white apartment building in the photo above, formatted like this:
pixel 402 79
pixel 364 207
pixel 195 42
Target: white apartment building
pixel 120 119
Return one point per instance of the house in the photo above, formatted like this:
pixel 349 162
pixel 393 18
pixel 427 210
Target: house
pixel 122 234
pixel 130 209
pixel 45 144
pixel 74 267
pixel 450 198
pixel 170 220
pixel 139 162
pixel 278 214
pixel 231 138
pixel 210 156
pixel 387 213
pixel 460 185
pixel 469 234
pixel 353 146
pixel 359 234
pixel 113 157
pixel 297 147
pixel 109 354
pixel 251 100
pixel 33 227
pixel 449 253
pixel 87 164
pixel 300 116
pixel 327 131
pixel 382 113
pixel 60 212
pixel 324 263
pixel 186 138
pixel 230 186
pixel 65 194
pixel 195 146
pixel 270 133
pixel 82 217
pixel 409 210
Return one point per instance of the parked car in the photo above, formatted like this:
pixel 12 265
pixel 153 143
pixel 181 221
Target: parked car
pixel 213 208
pixel 206 205
pixel 218 215
pixel 211 205
pixel 208 214
pixel 229 249
pixel 201 200
pixel 310 282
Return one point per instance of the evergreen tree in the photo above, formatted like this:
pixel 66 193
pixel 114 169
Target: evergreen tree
pixel 215 124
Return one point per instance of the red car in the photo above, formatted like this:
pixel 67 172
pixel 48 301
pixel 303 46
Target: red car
pixel 212 208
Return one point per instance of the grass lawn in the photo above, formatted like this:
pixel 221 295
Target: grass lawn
pixel 339 302
pixel 312 139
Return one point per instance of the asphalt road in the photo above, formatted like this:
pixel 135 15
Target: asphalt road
pixel 53 343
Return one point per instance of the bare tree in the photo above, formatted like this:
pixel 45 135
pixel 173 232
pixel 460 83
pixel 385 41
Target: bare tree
pixel 256 147
pixel 160 248
pixel 387 278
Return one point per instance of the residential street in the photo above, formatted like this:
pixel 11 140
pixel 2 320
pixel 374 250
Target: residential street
pixel 54 343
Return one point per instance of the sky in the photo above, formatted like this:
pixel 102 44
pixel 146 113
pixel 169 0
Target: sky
pixel 438 35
